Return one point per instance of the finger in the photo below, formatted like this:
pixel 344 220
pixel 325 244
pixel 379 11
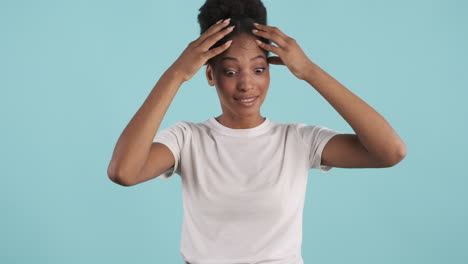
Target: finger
pixel 273 31
pixel 269 47
pixel 210 41
pixel 273 36
pixel 218 50
pixel 213 29
pixel 275 60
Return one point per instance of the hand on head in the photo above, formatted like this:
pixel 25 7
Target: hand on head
pixel 289 52
pixel 198 52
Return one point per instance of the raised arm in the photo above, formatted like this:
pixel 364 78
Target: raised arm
pixel 375 143
pixel 134 144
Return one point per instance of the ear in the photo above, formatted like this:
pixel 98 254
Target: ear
pixel 210 75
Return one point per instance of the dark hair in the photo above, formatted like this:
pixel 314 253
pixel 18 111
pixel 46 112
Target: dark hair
pixel 243 14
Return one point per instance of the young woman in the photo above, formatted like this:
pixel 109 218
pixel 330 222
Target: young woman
pixel 244 176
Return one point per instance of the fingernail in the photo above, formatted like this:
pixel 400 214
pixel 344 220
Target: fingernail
pixel 258 41
pixel 219 21
pixel 228 42
pixel 254 30
pixel 227 20
pixel 255 23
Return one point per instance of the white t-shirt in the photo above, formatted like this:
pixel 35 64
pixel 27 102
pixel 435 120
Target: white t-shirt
pixel 243 190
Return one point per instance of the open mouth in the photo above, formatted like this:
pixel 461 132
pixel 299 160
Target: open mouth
pixel 247 102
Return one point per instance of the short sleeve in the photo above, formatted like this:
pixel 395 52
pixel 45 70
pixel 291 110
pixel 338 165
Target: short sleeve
pixel 174 138
pixel 315 138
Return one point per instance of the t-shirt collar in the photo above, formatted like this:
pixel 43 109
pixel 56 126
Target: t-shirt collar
pixel 240 131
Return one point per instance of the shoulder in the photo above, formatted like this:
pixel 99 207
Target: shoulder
pixel 190 127
pixel 181 125
pixel 311 128
pixel 314 133
pixel 178 129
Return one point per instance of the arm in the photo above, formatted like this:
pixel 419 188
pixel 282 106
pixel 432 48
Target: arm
pixel 375 143
pixel 133 145
pixel 372 130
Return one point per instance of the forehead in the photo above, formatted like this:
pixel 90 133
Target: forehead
pixel 243 48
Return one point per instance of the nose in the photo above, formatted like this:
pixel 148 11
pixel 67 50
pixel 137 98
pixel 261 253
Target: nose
pixel 246 81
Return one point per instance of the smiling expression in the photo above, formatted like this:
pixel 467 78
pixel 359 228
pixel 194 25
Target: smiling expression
pixel 240 72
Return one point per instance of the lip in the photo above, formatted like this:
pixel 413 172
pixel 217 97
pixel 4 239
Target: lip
pixel 246 97
pixel 248 103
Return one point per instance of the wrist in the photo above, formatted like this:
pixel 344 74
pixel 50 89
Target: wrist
pixel 312 72
pixel 175 74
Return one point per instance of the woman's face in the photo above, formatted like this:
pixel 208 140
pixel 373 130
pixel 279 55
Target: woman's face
pixel 240 72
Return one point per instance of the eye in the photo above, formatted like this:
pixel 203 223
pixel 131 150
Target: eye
pixel 261 70
pixel 230 73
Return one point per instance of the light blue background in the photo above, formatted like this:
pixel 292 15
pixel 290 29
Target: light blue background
pixel 73 74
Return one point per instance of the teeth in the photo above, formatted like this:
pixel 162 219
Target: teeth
pixel 247 100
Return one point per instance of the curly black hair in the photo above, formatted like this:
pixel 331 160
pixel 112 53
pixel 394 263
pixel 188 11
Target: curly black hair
pixel 243 14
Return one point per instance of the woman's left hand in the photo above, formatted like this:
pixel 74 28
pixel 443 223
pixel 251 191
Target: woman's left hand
pixel 290 54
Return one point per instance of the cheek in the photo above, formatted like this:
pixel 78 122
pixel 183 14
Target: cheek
pixel 225 84
pixel 265 79
pixel 221 77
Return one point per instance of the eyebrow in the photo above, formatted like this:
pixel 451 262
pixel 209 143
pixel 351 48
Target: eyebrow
pixel 231 58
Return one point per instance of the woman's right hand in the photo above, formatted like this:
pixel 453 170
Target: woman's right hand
pixel 198 51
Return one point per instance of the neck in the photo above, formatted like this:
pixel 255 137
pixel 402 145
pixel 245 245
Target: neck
pixel 240 122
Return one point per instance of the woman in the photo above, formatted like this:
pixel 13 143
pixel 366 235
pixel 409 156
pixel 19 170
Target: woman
pixel 244 176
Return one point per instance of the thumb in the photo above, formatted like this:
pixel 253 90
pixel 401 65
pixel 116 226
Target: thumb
pixel 275 60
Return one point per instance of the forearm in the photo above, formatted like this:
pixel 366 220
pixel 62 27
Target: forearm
pixel 134 144
pixel 373 131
